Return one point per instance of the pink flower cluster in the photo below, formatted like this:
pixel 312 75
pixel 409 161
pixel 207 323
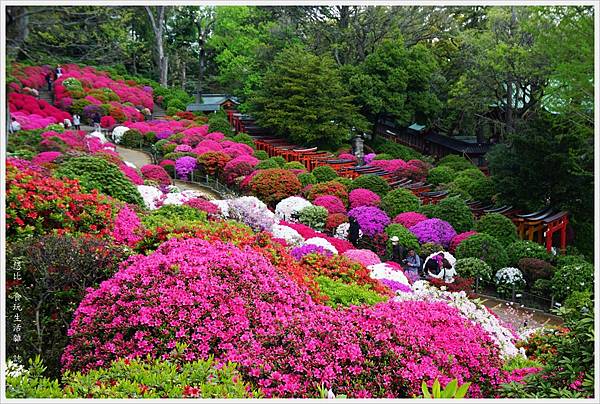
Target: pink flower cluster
pixel 365 257
pixel 127 227
pixel 132 174
pixel 409 219
pixel 46 157
pixel 306 232
pixel 233 304
pixel 363 197
pixel 390 165
pixel 203 205
pixel 459 238
pixel 333 204
pixel 156 173
pixel 28 105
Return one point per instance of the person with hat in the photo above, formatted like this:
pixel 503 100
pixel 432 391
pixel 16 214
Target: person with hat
pixel 398 251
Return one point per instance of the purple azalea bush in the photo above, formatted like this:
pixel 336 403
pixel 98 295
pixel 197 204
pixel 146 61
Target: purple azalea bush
pixel 371 219
pixel 434 231
pixel 184 166
pixel 299 252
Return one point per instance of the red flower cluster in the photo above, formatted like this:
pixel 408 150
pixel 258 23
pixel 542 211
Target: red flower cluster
pixel 273 185
pixel 33 106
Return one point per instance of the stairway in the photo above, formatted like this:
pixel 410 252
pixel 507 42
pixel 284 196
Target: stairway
pixel 46 95
pixel 158 112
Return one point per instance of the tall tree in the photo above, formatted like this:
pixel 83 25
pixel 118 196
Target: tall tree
pixel 157 15
pixel 303 99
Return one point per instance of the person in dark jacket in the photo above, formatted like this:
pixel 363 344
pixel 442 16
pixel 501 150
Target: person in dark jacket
pixel 398 251
pixel 49 80
pixel 353 231
pixel 96 119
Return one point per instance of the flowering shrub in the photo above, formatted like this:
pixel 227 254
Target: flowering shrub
pixel 128 228
pixel 184 166
pixel 526 249
pixel 238 167
pixel 322 242
pixel 273 185
pixel 332 203
pixel 156 173
pixel 459 238
pixel 371 220
pixel 334 220
pixel 572 278
pixel 36 205
pixel 152 196
pixel 398 201
pixel 373 183
pixel 46 157
pixel 365 257
pixel 433 231
pixel 213 162
pixel 253 212
pixel 409 219
pixel 498 226
pixel 484 247
pixel 369 158
pixel 363 197
pixel 203 205
pixel 132 174
pixel 534 269
pixel 390 275
pixel 313 216
pixel 333 188
pixel 299 252
pixel 288 208
pixel 509 279
pixel 291 236
pixel 473 268
pixel 107 121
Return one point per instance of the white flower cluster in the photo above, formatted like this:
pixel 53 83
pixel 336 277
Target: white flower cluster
pixel 152 196
pixel 288 207
pixel 472 310
pixel 318 241
pixel 510 276
pixel 129 164
pixel 341 231
pixel 118 132
pixel 385 271
pixel 253 212
pixel 223 206
pixel 450 273
pixel 179 198
pixel 291 236
pixel 14 369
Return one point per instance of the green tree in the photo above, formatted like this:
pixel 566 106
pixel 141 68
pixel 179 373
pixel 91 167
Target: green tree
pixel 302 98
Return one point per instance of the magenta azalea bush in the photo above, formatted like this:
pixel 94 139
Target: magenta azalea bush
pixel 459 238
pixel 156 173
pixel 333 204
pixel 184 166
pixel 433 231
pixel 371 219
pixel 363 197
pixel 365 257
pixel 299 252
pixel 232 303
pixel 127 227
pixel 203 205
pixel 409 219
pixel 46 157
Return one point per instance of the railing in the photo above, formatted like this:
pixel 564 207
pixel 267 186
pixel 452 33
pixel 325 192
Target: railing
pixel 522 298
pixel 206 181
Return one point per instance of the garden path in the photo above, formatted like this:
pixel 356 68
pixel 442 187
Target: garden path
pixel 516 315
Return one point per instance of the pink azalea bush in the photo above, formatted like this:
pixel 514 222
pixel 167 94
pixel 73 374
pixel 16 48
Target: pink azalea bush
pixel 203 205
pixel 333 204
pixel 363 197
pixel 390 165
pixel 184 166
pixel 127 227
pixel 347 156
pixel 46 157
pixel 409 219
pixel 232 303
pixel 365 257
pixel 433 231
pixel 459 238
pixel 156 173
pixel 132 174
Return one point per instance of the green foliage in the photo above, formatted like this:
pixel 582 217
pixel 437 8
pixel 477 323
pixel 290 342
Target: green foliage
pixel 526 249
pixel 579 302
pixel 394 150
pixel 473 268
pixel 542 287
pixel 302 98
pixel 373 183
pixel 440 175
pixel 133 138
pixel 428 210
pixel 294 165
pixel 106 177
pixel 484 247
pixel 313 216
pixel 267 164
pixel 454 162
pixel 398 201
pixel 563 260
pixel 78 105
pixel 498 226
pixel 520 362
pixel 307 178
pixel 56 270
pixel 534 269
pixel 572 278
pixel 383 156
pixel 455 211
pixel 218 122
pixel 324 173
pixel 280 161
pixel 482 189
pixel 405 237
pixel 136 378
pixel 429 248
pixel 261 154
pixel 174 216
pixel 342 294
pixel 245 139
pixel 452 390
pixel 346 182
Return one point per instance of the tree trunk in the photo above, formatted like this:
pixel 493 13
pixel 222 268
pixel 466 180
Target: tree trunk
pixel 17 28
pixel 158 24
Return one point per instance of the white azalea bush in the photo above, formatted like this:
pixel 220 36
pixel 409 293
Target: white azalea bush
pixel 386 271
pixel 252 211
pixel 291 236
pixel 473 310
pixel 287 208
pixel 509 279
pixel 118 132
pixel 319 241
pixel 342 230
pixel 152 196
pixel 179 198
pixel 223 206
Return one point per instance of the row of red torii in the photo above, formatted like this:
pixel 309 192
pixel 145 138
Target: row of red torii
pixel 540 226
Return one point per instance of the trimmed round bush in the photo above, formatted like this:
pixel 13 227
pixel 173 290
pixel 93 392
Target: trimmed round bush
pixel 271 186
pixel 440 175
pixel 383 156
pixel 245 139
pixel 405 237
pixel 279 160
pixel 306 179
pixel 371 219
pixel 534 269
pixel 346 182
pixel 132 138
pixel 373 183
pixel 455 211
pixel 399 201
pixel 459 238
pixel 333 204
pixel 526 249
pixel 261 154
pixel 563 260
pixel 409 219
pixel 334 220
pixel 427 210
pixel 434 231
pixel 498 226
pixel 457 163
pixel 156 173
pixel 482 189
pixel 509 279
pixel 267 164
pixel 294 165
pixel 484 247
pixel 572 278
pixel 324 173
pixel 429 248
pixel 106 177
pixel 473 268
pixel 314 217
pixel 363 197
pixel 328 188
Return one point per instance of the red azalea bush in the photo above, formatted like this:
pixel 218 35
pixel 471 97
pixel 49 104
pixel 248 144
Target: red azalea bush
pixel 107 121
pixel 333 204
pixel 63 142
pixel 273 185
pixel 156 173
pixel 409 219
pixel 363 197
pixel 334 220
pixel 333 188
pixel 459 238
pixel 236 168
pixel 30 105
pixel 232 303
pixel 213 161
pixel 36 205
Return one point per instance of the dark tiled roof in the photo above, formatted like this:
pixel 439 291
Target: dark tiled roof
pixel 457 145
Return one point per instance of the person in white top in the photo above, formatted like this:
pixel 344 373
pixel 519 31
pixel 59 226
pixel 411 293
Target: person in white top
pixel 15 126
pixel 77 122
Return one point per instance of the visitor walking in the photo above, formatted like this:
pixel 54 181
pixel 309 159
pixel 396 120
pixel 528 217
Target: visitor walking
pixel 77 121
pixel 49 80
pixel 96 119
pixel 58 71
